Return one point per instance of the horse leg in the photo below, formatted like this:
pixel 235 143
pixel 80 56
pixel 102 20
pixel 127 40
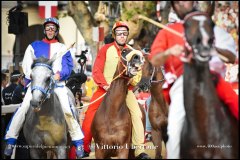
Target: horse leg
pixel 61 152
pixel 131 154
pixel 36 153
pixel 157 142
pixel 123 153
pixel 99 153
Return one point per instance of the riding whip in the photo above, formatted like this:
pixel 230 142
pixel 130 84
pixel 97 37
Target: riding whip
pixel 61 53
pixel 172 31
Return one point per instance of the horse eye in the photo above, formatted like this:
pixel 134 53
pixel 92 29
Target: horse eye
pixel 210 41
pixel 198 40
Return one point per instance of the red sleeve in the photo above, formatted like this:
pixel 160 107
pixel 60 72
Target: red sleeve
pixel 228 96
pixel 159 43
pixel 98 67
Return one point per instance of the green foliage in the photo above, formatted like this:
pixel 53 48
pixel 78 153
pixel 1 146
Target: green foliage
pixel 148 9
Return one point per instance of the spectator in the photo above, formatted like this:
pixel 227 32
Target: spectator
pixel 19 92
pixel 3 85
pixel 8 91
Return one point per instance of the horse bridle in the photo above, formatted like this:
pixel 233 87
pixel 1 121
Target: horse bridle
pixel 155 69
pixel 193 48
pixel 46 92
pixel 151 81
pixel 127 66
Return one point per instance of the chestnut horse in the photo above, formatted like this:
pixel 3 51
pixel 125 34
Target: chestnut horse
pixel 209 130
pixel 153 78
pixel 111 126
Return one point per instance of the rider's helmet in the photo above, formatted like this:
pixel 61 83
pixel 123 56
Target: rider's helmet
pixel 54 21
pixel 119 24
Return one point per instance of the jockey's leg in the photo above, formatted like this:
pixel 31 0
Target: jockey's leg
pixel 148 124
pixel 176 117
pixel 73 126
pixel 137 129
pixel 89 115
pixel 228 96
pixel 16 123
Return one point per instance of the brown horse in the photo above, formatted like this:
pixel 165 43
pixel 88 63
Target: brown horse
pixel 153 78
pixel 209 130
pixel 111 126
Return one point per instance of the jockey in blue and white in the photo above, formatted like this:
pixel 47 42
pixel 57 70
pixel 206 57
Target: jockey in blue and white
pixel 62 68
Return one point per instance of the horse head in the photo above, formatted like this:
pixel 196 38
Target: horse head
pixel 199 36
pixel 42 81
pixel 149 74
pixel 131 62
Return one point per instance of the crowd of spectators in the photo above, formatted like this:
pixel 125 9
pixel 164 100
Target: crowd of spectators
pixel 226 16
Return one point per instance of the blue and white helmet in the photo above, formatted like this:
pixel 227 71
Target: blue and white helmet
pixel 54 21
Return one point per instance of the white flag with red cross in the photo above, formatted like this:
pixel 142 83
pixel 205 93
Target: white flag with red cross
pixel 98 34
pixel 47 9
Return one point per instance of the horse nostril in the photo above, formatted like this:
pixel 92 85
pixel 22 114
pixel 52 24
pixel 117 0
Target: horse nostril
pixel 136 57
pixel 34 104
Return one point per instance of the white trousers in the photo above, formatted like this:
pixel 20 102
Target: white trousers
pixel 19 117
pixel 176 118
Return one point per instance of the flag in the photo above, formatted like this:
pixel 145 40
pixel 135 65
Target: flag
pixel 47 9
pixel 98 34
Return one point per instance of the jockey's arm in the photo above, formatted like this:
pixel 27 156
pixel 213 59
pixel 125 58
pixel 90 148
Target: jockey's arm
pixel 98 68
pixel 67 66
pixel 160 50
pixel 27 63
pixel 224 44
pixel 160 58
pixel 228 54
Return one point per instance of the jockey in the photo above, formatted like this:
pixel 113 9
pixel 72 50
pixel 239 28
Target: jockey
pixel 166 50
pixel 62 68
pixel 103 71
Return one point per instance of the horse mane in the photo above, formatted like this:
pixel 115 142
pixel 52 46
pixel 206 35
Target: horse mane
pixel 41 60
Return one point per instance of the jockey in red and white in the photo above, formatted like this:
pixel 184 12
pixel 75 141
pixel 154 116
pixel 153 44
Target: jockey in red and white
pixel 62 68
pixel 166 50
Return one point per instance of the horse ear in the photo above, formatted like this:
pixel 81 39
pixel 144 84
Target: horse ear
pixel 210 8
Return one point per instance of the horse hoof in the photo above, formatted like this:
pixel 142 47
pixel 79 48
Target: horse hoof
pixel 143 156
pixel 86 154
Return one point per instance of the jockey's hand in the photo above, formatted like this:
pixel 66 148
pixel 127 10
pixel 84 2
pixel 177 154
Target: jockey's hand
pixel 159 59
pixel 57 76
pixel 106 88
pixel 176 50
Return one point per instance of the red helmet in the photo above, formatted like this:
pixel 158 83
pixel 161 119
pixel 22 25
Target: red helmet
pixel 120 24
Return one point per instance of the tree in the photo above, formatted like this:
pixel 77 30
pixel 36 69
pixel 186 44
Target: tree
pixel 96 13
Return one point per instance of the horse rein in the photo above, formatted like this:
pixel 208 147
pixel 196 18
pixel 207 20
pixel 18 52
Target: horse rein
pixel 118 76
